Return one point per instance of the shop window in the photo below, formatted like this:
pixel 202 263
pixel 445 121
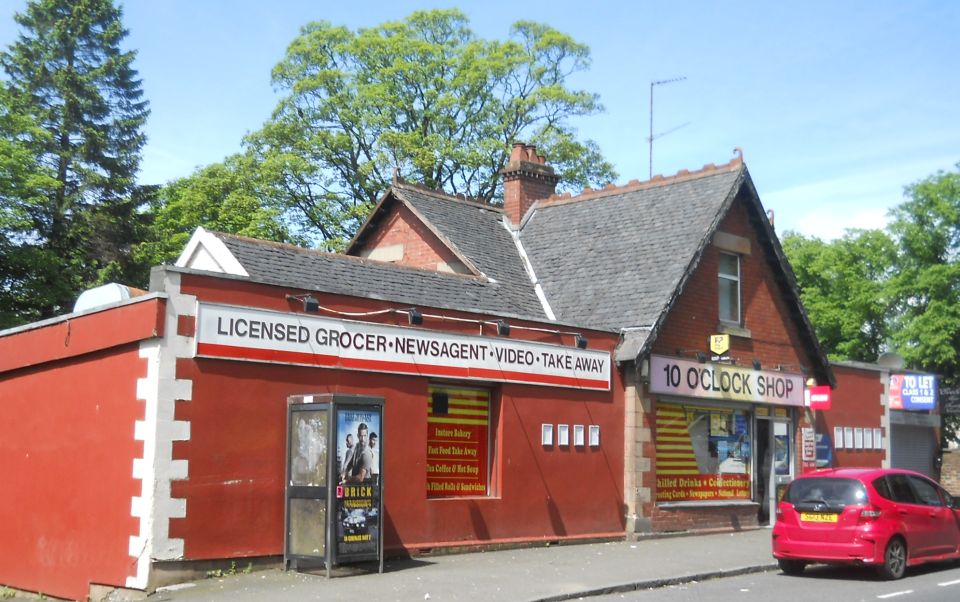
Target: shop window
pixel 458 442
pixel 702 453
pixel 729 288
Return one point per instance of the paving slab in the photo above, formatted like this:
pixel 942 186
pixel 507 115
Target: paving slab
pixel 558 572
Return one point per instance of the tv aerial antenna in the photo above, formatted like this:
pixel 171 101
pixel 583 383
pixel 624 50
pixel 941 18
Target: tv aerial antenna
pixel 651 138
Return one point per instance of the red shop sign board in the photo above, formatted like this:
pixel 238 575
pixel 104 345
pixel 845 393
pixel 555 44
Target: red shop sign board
pixel 819 397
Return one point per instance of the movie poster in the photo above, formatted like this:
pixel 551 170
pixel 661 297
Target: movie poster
pixel 358 436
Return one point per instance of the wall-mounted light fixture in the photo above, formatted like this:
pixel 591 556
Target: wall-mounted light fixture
pixel 581 341
pixel 701 357
pixel 503 328
pixel 414 316
pixel 310 303
pixel 756 364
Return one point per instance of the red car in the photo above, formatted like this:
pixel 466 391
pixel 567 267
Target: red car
pixel 888 519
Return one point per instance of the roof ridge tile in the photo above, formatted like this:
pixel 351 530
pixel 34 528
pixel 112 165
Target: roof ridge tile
pixel 447 196
pixel 684 175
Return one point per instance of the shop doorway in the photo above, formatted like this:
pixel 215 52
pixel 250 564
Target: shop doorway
pixel 775 465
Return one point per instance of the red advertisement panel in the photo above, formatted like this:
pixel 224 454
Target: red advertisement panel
pixel 458 422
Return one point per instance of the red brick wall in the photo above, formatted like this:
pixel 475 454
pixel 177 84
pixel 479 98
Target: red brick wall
pixel 857 401
pixel 774 340
pixel 704 518
pixel 421 247
pixel 521 190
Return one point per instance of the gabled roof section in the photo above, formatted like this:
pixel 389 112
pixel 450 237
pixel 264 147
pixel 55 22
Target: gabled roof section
pixel 473 231
pixel 306 269
pixel 382 210
pixel 620 257
pixel 615 257
pixel 205 251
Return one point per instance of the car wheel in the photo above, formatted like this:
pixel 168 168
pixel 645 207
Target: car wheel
pixel 894 560
pixel 791 567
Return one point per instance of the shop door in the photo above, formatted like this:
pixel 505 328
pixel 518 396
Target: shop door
pixel 775 470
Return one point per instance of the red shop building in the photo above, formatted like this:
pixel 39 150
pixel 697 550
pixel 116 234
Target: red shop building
pixel 150 434
pixel 628 360
pixel 710 435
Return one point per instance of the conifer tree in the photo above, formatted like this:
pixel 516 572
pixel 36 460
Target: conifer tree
pixel 69 219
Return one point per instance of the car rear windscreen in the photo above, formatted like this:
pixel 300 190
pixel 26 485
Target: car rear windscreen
pixel 835 493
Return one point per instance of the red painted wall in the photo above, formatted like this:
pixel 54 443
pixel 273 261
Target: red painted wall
pixel 774 340
pixel 234 493
pixel 82 334
pixel 67 450
pixel 857 401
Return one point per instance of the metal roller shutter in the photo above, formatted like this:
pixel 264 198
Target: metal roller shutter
pixel 912 448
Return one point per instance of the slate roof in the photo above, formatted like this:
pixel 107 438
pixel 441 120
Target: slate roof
pixel 305 269
pixel 477 231
pixel 615 260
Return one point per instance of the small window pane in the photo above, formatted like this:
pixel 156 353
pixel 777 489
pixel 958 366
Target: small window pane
pixel 728 288
pixel 729 301
pixel 729 265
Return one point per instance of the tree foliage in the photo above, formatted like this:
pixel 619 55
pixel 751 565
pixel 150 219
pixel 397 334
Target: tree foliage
pixel 73 106
pixel 224 197
pixel 897 290
pixel 927 282
pixel 423 95
pixel 843 285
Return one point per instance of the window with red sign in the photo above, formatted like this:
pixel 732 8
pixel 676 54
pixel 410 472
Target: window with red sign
pixel 458 442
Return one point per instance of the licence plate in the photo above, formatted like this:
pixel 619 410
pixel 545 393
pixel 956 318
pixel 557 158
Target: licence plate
pixel 818 517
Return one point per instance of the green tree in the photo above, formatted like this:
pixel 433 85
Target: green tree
pixel 22 183
pixel 844 288
pixel 927 283
pixel 69 80
pixel 423 95
pixel 222 197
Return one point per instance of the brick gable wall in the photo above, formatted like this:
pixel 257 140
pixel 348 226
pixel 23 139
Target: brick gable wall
pixel 774 339
pixel 421 248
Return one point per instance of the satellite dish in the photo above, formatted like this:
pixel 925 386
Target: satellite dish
pixel 889 359
pixel 104 295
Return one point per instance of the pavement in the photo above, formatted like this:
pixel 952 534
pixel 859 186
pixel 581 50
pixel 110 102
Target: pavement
pixel 551 573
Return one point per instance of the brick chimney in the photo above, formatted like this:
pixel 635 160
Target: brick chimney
pixel 526 179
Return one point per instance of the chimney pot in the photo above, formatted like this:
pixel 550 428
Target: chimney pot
pixel 526 179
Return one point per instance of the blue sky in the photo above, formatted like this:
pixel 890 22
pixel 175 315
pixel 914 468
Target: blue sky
pixel 836 105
